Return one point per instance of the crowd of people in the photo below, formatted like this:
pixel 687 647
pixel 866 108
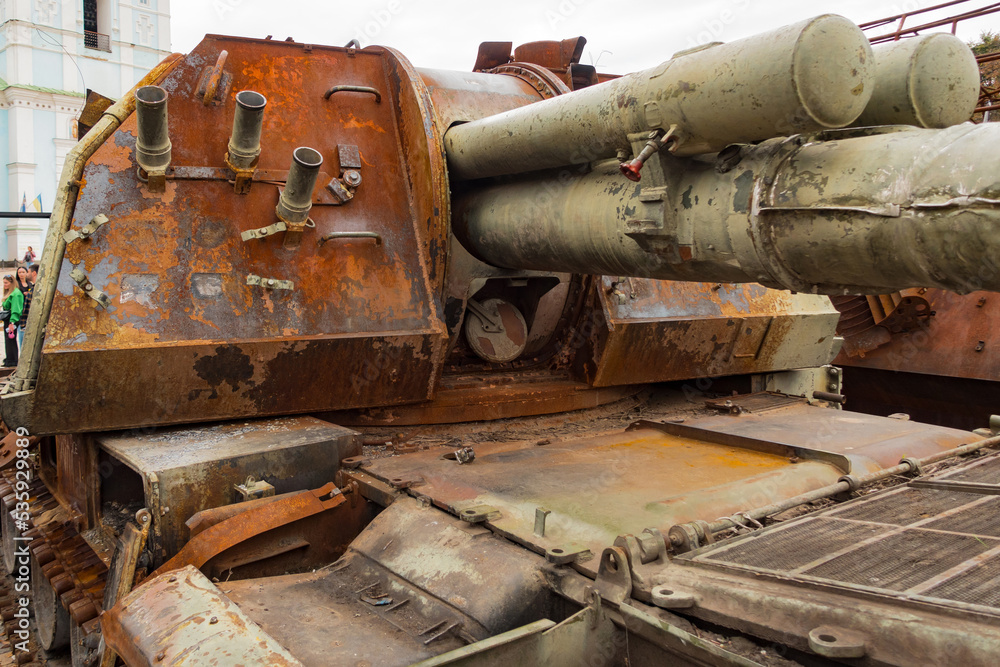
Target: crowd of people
pixel 17 292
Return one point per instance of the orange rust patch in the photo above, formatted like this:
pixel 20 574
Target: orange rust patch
pixel 353 122
pixel 116 158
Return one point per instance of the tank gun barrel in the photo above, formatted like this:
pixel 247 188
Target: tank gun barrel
pixel 808 76
pixel 861 211
pixel 748 174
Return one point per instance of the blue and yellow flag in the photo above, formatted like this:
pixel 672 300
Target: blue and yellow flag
pixel 36 203
pixel 24 203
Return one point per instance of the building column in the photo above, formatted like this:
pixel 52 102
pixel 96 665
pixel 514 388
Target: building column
pixel 20 178
pixel 21 232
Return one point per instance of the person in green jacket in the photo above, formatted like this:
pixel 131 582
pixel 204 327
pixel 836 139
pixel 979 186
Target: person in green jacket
pixel 13 303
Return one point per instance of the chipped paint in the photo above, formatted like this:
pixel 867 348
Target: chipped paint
pixel 174 264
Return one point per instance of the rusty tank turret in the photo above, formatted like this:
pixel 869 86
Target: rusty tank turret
pixel 525 364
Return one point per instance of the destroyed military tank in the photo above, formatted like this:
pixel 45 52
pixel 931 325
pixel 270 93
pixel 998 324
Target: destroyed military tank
pixel 586 315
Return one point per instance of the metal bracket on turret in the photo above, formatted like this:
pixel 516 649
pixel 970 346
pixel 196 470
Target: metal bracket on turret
pixel 264 232
pixel 95 223
pixel 276 228
pixel 269 283
pixel 674 242
pixel 81 279
pixel 343 188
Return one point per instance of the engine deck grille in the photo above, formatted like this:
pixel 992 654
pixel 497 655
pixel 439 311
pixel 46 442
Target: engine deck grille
pixel 983 472
pixel 905 506
pixel 977 586
pixel 801 544
pixel 932 544
pixel 903 560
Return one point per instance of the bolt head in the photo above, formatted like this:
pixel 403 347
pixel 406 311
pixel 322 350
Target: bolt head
pixel 270 282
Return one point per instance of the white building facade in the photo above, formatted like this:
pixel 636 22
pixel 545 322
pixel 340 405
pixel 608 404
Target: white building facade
pixel 51 52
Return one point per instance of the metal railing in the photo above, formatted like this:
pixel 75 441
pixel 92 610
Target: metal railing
pixel 97 41
pixel 953 21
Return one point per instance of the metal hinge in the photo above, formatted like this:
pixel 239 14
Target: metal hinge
pixel 88 229
pixel 81 279
pixel 276 228
pixel 264 232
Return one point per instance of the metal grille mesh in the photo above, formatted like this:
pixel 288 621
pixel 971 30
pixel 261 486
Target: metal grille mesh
pixel 980 519
pixel 906 506
pixel 901 561
pixel 984 473
pixel 882 549
pixel 797 545
pixel 975 586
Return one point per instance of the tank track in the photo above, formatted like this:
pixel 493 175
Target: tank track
pixel 9 655
pixel 72 567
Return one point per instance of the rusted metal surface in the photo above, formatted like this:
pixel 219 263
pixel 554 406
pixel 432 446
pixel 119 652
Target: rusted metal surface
pixel 790 452
pixel 8 448
pixel 941 370
pixel 648 479
pixel 961 340
pixel 478 398
pixel 52 619
pixel 389 606
pixel 457 95
pixel 173 263
pixel 898 312
pixel 656 331
pixel 433 604
pixel 72 478
pixel 181 618
pixel 92 111
pixel 122 573
pixel 560 58
pixel 492 54
pixel 16 394
pixel 307 543
pixel 390 320
pixel 254 521
pixel 551 55
pixel 423 566
pixel 181 471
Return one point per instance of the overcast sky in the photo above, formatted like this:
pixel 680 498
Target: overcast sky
pixel 622 35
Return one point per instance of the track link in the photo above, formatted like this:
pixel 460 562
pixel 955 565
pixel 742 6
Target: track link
pixel 75 571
